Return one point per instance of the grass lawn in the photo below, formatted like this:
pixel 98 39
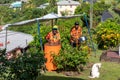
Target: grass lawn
pixel 108 71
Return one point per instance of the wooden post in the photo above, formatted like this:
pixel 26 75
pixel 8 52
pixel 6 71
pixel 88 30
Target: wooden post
pixel 91 13
pixel 6 39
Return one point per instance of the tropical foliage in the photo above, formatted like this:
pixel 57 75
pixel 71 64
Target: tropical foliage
pixel 71 59
pixel 5 1
pixel 97 10
pixel 108 34
pixel 26 66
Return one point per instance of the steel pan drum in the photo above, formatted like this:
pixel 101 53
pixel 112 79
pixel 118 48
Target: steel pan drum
pixel 48 51
pixel 82 39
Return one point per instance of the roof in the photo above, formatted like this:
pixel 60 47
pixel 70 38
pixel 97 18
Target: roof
pixel 45 17
pixel 68 2
pixel 16 4
pixel 106 15
pixel 50 16
pixel 14 39
pixel 43 6
pixel 90 1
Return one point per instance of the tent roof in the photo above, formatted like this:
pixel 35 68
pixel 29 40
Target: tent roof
pixel 14 39
pixel 50 16
pixel 45 17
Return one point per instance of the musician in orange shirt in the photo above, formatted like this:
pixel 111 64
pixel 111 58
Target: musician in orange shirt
pixel 53 37
pixel 75 33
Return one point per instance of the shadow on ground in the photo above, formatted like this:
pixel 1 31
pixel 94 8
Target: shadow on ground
pixel 44 77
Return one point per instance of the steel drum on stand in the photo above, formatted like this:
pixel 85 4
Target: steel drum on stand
pixel 82 39
pixel 48 51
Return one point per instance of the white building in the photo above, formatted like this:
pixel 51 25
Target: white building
pixel 67 7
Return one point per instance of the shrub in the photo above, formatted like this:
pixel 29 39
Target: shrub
pixel 108 34
pixel 25 67
pixel 3 68
pixel 70 58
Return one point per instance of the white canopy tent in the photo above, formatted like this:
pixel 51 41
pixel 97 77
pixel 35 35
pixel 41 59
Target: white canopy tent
pixel 49 16
pixel 19 40
pixel 14 40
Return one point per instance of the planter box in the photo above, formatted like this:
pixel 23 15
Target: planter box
pixel 111 56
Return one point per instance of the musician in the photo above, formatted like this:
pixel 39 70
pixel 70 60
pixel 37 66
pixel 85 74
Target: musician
pixel 75 34
pixel 53 37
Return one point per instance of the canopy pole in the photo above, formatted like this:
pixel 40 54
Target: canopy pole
pixel 39 35
pixel 6 38
pixel 56 21
pixel 89 34
pixel 91 13
pixel 52 22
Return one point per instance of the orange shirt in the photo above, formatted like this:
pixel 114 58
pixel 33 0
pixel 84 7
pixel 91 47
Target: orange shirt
pixel 75 33
pixel 53 38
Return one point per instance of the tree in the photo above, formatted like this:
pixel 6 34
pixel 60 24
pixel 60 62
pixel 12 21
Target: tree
pixel 52 3
pixel 51 7
pixel 118 1
pixel 97 10
pixel 83 8
pixel 5 1
pixel 38 2
pixel 5 14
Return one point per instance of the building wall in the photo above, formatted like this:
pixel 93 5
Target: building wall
pixel 68 9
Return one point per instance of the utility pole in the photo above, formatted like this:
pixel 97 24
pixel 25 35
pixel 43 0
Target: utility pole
pixel 91 13
pixel 91 23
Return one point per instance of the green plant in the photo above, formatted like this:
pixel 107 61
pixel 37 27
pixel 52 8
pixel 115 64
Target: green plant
pixel 64 28
pixel 70 58
pixel 25 67
pixel 3 64
pixel 5 1
pixel 108 34
pixel 97 9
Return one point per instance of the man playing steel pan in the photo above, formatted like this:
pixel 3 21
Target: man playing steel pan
pixel 75 33
pixel 53 37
